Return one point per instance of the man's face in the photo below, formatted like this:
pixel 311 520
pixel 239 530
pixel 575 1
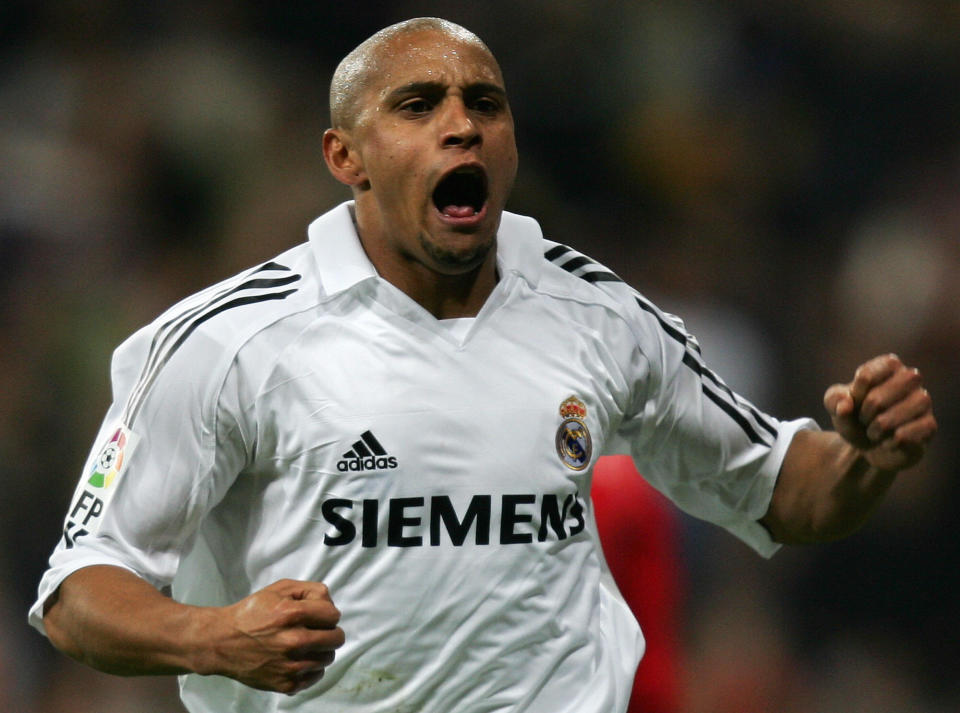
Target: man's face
pixel 434 135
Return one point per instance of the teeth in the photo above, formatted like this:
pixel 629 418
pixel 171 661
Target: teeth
pixel 461 194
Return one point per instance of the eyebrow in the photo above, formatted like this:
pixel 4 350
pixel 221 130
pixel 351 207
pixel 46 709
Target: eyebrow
pixel 433 87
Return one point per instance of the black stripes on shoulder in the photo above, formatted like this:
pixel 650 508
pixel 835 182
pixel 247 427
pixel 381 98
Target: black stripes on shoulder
pixel 758 427
pixel 237 292
pixel 580 265
pixel 270 266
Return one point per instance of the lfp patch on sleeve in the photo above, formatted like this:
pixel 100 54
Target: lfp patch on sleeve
pixel 98 485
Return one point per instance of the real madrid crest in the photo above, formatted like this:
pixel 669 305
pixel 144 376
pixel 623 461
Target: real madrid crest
pixel 574 445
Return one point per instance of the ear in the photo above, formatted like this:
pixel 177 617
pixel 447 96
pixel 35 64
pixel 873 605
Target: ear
pixel 342 160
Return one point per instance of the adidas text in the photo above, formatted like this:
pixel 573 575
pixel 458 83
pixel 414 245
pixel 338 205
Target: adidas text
pixel 368 463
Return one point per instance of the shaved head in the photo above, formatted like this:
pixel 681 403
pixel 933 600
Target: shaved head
pixel 355 71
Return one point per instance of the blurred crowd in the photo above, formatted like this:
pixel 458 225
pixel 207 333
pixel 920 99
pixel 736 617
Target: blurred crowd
pixel 784 175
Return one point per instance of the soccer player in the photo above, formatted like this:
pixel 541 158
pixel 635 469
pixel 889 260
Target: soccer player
pixel 401 415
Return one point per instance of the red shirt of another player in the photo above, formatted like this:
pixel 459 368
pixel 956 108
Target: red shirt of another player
pixel 639 534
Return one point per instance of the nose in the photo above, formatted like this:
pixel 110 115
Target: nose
pixel 458 128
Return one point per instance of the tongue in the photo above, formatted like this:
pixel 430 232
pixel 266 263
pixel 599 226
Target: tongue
pixel 459 211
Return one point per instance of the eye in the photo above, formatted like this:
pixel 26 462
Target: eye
pixel 485 105
pixel 417 105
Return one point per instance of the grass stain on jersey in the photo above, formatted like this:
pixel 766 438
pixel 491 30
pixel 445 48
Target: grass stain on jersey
pixel 370 685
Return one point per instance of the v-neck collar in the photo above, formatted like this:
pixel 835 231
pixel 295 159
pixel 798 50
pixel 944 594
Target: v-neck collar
pixel 343 264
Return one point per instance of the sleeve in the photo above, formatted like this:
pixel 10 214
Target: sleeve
pixel 170 446
pixel 709 450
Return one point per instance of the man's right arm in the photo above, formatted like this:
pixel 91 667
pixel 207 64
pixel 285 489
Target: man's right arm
pixel 280 638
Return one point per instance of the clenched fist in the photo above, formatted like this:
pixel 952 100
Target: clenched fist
pixel 280 638
pixel 884 412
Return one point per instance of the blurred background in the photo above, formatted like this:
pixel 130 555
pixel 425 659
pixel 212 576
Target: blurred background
pixel 784 175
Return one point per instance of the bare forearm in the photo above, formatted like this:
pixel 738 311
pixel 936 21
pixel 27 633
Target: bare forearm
pixel 110 619
pixel 280 638
pixel 830 483
pixel 826 490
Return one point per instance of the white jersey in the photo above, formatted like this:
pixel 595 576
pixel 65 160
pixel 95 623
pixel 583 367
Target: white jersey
pixel 308 420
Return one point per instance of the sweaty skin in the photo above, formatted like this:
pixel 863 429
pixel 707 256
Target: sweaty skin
pixel 440 107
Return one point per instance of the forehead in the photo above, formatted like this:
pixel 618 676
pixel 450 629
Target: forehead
pixel 434 57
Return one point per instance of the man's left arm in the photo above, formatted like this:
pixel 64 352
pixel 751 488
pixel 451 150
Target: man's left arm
pixel 830 482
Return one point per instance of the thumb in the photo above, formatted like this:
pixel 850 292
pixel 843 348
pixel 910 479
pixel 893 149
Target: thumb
pixel 839 402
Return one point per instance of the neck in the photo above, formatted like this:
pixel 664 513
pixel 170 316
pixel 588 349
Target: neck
pixel 446 294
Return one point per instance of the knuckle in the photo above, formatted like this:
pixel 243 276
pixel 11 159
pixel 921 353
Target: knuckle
pixel 287 611
pixel 870 404
pixel 291 640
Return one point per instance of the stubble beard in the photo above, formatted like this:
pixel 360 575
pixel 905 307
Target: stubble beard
pixel 456 261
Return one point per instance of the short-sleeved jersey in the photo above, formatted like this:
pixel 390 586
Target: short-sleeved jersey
pixel 308 420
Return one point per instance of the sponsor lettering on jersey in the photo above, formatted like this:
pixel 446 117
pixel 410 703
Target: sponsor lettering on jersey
pixel 420 521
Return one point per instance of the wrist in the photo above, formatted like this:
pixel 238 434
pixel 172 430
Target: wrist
pixel 202 632
pixel 863 480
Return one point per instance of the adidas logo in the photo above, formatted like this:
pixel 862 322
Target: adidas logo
pixel 366 454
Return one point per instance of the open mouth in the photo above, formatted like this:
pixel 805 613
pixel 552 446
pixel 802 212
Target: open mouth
pixel 462 193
